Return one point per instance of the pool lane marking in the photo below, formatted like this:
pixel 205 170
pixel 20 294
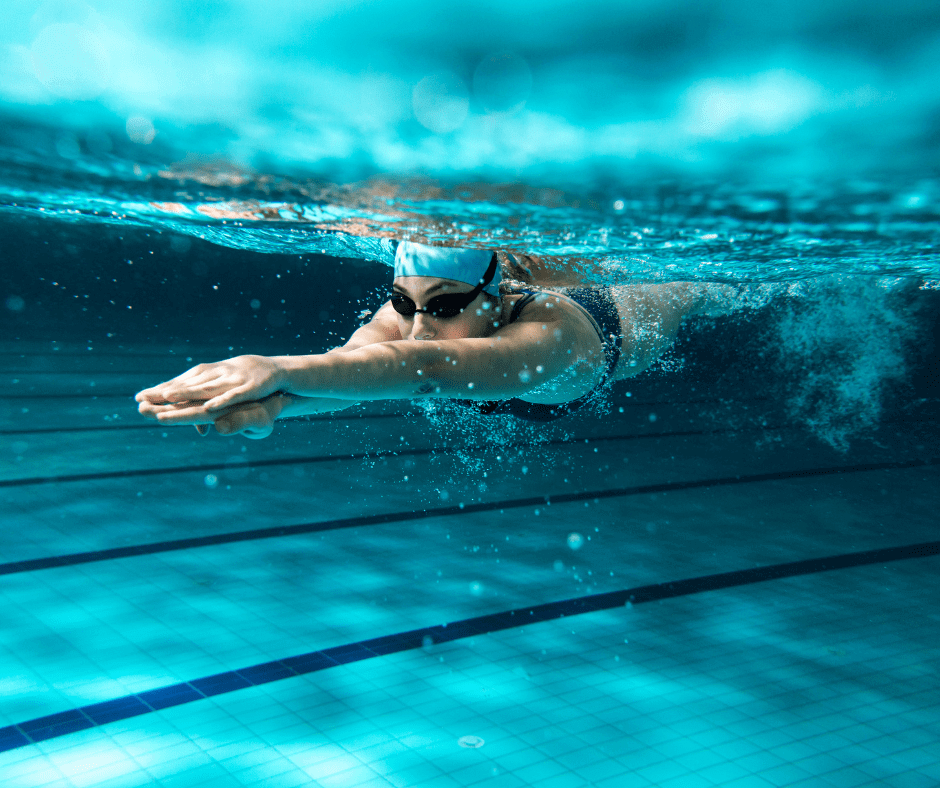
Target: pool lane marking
pixel 331 417
pixel 369 455
pixel 130 551
pixel 339 417
pixel 93 715
pixel 164 428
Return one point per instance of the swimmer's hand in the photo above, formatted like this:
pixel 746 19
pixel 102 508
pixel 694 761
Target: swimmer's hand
pixel 219 385
pixel 252 419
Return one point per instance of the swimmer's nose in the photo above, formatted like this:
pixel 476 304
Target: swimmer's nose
pixel 423 328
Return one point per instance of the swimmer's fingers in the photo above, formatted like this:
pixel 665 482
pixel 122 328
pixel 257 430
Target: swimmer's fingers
pixel 174 415
pixel 152 410
pixel 199 390
pixel 186 386
pixel 158 393
pixel 252 420
pixel 244 393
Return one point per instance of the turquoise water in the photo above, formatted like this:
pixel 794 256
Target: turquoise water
pixel 723 574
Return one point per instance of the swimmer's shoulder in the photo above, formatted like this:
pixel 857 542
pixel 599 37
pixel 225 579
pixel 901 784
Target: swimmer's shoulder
pixel 382 327
pixel 544 306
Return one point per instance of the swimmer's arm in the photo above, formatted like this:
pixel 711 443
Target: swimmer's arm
pixel 513 361
pixel 256 419
pixel 236 418
pixel 257 376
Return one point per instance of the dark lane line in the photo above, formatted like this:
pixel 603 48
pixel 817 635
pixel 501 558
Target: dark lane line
pixel 340 416
pixel 27 481
pixel 91 394
pixel 94 354
pixel 157 373
pixel 371 455
pixel 97 714
pixel 129 551
pixel 163 427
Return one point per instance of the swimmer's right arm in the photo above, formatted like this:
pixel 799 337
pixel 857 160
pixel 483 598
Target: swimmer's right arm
pixel 382 328
pixel 256 419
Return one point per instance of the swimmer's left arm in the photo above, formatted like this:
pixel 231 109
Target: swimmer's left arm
pixel 507 364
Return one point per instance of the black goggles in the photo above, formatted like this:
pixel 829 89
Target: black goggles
pixel 447 305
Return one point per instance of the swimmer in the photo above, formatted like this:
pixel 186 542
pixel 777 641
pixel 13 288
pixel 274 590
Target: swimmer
pixel 450 329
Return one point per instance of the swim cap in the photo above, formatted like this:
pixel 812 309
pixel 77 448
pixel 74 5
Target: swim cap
pixel 461 265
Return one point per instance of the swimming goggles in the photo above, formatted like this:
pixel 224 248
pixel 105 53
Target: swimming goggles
pixel 444 306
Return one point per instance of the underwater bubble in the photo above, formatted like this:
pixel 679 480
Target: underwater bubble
pixel 559 566
pixel 470 742
pixel 254 303
pixel 575 541
pixel 440 102
pixel 525 376
pixel 619 205
pixel 15 304
pixel 140 130
pixel 67 146
pixel 180 244
pixel 211 480
pixel 476 588
pixel 444 495
pixel 652 417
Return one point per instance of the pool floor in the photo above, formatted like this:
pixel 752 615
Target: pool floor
pixel 221 612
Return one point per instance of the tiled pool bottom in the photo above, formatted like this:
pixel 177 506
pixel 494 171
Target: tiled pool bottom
pixel 820 679
pixel 792 682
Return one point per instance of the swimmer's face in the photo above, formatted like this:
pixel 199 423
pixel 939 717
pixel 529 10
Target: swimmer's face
pixel 420 290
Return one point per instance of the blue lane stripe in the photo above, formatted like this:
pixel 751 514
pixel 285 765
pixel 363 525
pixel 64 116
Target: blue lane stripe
pixel 61 724
pixel 130 551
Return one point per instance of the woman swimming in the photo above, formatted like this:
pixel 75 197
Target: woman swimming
pixel 448 330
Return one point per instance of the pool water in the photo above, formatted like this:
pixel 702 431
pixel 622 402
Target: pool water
pixel 724 573
pixel 690 587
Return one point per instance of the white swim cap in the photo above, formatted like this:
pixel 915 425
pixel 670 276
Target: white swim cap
pixel 461 265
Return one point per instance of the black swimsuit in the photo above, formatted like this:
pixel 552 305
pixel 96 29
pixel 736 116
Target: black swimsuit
pixel 600 306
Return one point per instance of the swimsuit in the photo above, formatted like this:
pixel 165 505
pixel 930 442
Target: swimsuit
pixel 600 307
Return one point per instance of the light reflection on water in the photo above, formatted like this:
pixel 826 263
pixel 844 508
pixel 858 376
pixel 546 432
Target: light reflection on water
pixel 630 141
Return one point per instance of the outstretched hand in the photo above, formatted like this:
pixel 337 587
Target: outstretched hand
pixel 252 419
pixel 218 385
